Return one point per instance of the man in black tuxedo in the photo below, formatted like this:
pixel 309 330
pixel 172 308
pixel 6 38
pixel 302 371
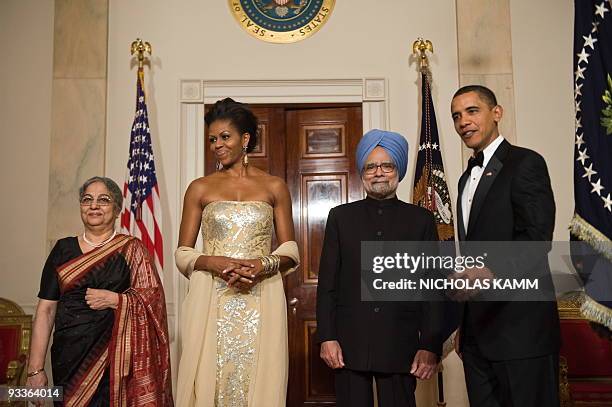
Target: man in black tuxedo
pixel 509 349
pixel 392 342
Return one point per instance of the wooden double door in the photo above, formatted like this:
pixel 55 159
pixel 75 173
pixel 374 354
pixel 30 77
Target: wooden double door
pixel 313 148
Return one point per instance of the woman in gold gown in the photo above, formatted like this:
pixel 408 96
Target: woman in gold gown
pixel 234 318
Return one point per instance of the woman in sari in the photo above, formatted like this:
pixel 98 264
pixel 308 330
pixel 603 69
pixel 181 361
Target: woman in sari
pixel 105 298
pixel 234 317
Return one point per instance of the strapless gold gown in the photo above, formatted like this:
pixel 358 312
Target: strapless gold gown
pixel 241 230
pixel 250 350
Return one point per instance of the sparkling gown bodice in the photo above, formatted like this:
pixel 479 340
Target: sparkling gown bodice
pixel 240 229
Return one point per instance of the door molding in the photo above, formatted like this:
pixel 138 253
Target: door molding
pixel 193 94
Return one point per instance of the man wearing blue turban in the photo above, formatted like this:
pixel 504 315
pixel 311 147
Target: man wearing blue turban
pixel 394 343
pixel 394 144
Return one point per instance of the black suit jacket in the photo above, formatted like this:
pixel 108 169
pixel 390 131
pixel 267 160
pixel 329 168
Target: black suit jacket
pixel 374 336
pixel 513 202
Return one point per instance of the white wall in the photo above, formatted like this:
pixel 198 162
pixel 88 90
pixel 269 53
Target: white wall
pixel 26 29
pixel 542 54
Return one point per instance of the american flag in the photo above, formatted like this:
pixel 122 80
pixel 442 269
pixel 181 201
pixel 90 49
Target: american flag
pixel 141 214
pixel 592 221
pixel 430 187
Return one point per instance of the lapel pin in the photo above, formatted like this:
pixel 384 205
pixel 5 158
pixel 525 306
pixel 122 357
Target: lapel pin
pixel 488 174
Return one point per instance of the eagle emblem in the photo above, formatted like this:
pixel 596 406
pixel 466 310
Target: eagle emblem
pixel 281 20
pixel 282 8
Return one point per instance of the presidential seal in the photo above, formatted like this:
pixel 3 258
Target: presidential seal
pixel 281 21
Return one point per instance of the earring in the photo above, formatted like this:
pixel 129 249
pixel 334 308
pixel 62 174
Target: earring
pixel 245 157
pixel 218 166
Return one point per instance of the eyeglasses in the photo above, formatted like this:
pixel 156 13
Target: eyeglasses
pixel 371 168
pixel 101 201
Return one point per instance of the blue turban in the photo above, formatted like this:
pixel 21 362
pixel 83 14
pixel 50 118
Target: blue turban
pixel 394 143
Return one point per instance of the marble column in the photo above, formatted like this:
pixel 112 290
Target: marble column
pixel 78 108
pixel 484 46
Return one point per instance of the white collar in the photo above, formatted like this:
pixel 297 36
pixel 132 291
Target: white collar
pixel 490 150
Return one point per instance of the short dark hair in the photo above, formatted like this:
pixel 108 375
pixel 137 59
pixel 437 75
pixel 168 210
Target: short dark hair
pixel 113 189
pixel 238 114
pixel 483 92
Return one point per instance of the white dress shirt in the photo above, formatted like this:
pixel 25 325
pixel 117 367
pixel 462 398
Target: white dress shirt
pixel 472 182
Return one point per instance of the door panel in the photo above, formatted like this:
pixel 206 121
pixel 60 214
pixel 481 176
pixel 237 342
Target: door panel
pixel 320 174
pixel 320 193
pixel 320 378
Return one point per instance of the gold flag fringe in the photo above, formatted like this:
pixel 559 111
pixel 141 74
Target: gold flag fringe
pixel 584 231
pixel 594 311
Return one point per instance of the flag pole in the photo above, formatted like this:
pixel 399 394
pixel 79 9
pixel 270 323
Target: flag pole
pixel 420 47
pixel 141 215
pixel 140 48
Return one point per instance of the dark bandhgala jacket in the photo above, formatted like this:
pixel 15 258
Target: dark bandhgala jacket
pixel 513 202
pixel 374 336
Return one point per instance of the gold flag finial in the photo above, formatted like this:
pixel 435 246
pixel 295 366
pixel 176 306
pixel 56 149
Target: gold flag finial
pixel 139 46
pixel 419 47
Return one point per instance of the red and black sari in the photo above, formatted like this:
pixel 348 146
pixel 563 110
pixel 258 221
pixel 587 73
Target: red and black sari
pixel 110 357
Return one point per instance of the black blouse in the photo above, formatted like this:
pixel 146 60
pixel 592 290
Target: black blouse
pixel 64 250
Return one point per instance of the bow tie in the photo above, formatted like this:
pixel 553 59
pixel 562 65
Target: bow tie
pixel 476 161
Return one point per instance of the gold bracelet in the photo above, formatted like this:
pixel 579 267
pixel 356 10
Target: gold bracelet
pixel 265 264
pixel 276 266
pixel 270 264
pixel 34 373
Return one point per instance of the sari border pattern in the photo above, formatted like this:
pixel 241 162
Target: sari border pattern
pixel 74 270
pixel 89 384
